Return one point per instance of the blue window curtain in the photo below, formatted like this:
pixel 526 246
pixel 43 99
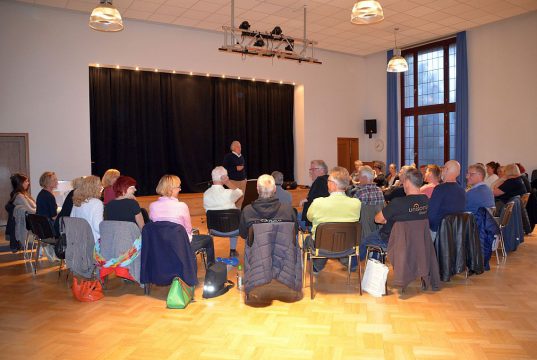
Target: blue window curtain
pixel 392 150
pixel 461 99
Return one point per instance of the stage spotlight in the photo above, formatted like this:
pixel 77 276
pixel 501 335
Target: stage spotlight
pixel 245 25
pixel 276 31
pixel 259 42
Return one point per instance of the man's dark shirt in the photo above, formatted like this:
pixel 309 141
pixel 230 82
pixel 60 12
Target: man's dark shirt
pixel 231 161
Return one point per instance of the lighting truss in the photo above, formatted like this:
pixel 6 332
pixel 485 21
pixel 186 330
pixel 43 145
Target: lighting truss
pixel 280 46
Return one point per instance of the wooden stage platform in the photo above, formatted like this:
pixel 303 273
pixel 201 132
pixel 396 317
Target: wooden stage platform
pixel 195 200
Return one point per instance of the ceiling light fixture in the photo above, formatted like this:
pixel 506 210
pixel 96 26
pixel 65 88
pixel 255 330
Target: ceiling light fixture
pixel 397 63
pixel 105 17
pixel 367 12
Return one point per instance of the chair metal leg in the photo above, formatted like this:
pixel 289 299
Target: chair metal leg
pixel 60 269
pixel 349 271
pixel 147 289
pixel 311 279
pixel 37 253
pixel 304 268
pixel 359 274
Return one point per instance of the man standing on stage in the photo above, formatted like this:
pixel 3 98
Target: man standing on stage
pixel 235 166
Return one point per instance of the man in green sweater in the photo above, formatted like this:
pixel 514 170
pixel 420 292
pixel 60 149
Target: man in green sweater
pixel 337 207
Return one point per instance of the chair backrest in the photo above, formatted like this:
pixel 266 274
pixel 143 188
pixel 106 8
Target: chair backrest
pixel 223 220
pixel 492 210
pixel 80 246
pixel 524 199
pixel 40 226
pixel 506 213
pixel 338 236
pixel 534 175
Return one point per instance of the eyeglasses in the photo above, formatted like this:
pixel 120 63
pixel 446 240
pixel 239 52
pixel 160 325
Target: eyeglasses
pixel 470 173
pixel 177 187
pixel 315 168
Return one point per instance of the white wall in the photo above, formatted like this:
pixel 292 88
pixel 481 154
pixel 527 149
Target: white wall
pixel 44 82
pixel 502 92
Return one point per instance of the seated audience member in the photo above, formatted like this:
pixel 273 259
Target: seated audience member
pixel 337 207
pixel 398 190
pixel 448 197
pixel 500 180
pixel 524 176
pixel 319 188
pixel 354 175
pixel 380 178
pixel 109 178
pixel 423 169
pixel 20 202
pixel 492 173
pixel 512 185
pixel 124 207
pixel 217 197
pixel 366 191
pixel 67 203
pixel 392 176
pixel 432 177
pixel 479 195
pixel 412 206
pixel 45 201
pixel 87 203
pixel 283 195
pixel 267 208
pixel 169 208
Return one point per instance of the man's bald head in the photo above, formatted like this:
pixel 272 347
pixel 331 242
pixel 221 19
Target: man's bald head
pixel 452 169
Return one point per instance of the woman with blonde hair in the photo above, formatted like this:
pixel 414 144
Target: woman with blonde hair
pixel 169 208
pixel 87 204
pixel 109 178
pixel 511 186
pixel 67 203
pixel 45 201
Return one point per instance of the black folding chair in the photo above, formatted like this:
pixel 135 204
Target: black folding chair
pixel 43 233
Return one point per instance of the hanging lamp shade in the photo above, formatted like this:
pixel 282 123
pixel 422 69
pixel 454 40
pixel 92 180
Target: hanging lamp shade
pixel 367 12
pixel 397 63
pixel 105 17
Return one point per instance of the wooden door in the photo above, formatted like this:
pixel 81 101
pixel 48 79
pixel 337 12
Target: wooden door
pixel 347 152
pixel 13 159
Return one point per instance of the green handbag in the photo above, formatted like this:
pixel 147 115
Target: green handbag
pixel 180 294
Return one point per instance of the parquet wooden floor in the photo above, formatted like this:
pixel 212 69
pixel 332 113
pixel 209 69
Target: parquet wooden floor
pixel 490 316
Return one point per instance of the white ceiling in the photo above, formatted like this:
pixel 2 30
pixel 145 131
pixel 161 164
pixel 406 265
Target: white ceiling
pixel 328 21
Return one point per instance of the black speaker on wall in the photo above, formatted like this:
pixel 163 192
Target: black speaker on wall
pixel 370 127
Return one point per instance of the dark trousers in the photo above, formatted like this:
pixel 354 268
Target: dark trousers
pixel 204 241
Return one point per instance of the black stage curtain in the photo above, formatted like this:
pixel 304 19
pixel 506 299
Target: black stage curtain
pixel 147 124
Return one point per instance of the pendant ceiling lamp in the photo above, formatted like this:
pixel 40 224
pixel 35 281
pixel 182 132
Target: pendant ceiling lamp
pixel 105 17
pixel 397 63
pixel 367 12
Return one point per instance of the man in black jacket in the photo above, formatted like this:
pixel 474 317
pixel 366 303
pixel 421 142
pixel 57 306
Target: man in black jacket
pixel 235 165
pixel 319 187
pixel 267 208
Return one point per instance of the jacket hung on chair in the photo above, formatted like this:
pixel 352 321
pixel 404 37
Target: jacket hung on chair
pixel 166 253
pixel 80 246
pixel 118 250
pixel 412 254
pixel 274 254
pixel 458 246
pixel 513 234
pixel 488 228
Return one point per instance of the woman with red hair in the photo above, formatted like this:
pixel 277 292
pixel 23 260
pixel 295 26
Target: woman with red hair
pixel 124 207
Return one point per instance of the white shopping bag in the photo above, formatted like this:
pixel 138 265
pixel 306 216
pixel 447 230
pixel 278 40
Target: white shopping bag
pixel 374 280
